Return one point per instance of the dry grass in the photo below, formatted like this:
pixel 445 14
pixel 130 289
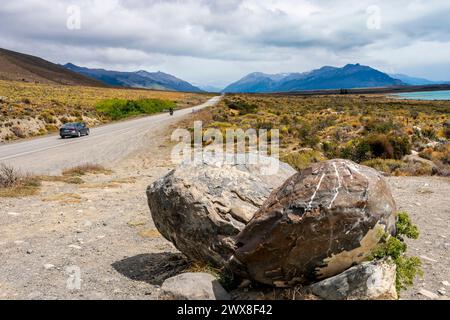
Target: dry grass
pixel 84 169
pixel 64 179
pixel 63 198
pixel 100 185
pixel 150 234
pixel 14 183
pixel 128 180
pixel 137 223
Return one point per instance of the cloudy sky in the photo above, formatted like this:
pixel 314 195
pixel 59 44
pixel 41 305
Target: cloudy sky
pixel 217 42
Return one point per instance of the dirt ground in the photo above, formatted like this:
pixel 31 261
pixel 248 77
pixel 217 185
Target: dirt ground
pixel 101 233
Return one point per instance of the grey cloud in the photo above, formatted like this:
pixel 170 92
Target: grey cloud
pixel 228 37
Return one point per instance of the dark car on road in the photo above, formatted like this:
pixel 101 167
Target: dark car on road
pixel 74 129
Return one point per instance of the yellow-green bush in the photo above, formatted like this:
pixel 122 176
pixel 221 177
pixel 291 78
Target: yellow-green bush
pixel 303 159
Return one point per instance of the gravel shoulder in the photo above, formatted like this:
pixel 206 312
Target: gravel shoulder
pixel 427 200
pixel 102 231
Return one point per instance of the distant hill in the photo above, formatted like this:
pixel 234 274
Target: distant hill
pixel 413 81
pixel 211 89
pixel 139 79
pixel 348 77
pixel 16 66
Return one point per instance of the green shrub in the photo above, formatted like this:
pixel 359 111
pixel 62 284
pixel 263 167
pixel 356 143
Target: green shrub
pixel 303 159
pixel 119 108
pixel 429 133
pixel 377 146
pixel 330 149
pixel 394 247
pixel 379 126
pixel 385 165
pixel 241 106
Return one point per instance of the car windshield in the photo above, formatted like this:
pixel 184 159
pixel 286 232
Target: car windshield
pixel 69 125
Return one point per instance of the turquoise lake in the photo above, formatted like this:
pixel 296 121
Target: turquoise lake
pixel 428 95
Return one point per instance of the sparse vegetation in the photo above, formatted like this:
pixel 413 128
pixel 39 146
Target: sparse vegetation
pixel 84 169
pixel 303 159
pixel 14 183
pixel 373 130
pixel 394 247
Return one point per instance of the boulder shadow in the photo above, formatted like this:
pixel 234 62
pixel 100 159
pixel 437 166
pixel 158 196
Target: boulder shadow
pixel 152 268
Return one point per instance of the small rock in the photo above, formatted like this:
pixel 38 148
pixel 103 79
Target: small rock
pixel 368 281
pixel 429 294
pixel 445 283
pixel 88 224
pixel 29 251
pixel 193 286
pixel 14 214
pixel 442 291
pixel 48 266
pixel 245 284
pixel 74 246
pixel 427 259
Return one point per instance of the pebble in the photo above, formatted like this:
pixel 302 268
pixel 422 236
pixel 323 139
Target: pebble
pixel 74 246
pixel 13 214
pixel 445 283
pixel 429 294
pixel 48 266
pixel 442 291
pixel 29 251
pixel 427 259
pixel 88 224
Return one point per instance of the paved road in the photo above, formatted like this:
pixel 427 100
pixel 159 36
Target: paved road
pixel 105 144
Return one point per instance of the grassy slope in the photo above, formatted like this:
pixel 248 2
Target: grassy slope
pixel 15 66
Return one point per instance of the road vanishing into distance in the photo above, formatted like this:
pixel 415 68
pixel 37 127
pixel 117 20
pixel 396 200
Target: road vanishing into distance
pixel 105 145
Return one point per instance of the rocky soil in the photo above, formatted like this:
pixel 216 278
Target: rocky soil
pixel 102 231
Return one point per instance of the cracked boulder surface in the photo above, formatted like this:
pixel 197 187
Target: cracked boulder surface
pixel 199 207
pixel 322 221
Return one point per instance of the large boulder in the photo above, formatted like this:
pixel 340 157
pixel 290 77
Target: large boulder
pixel 193 286
pixel 199 207
pixel 421 163
pixel 367 281
pixel 321 222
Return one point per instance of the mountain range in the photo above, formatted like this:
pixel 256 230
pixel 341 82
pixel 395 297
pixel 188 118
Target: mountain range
pixel 347 77
pixel 138 79
pixel 21 67
pixel 414 81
